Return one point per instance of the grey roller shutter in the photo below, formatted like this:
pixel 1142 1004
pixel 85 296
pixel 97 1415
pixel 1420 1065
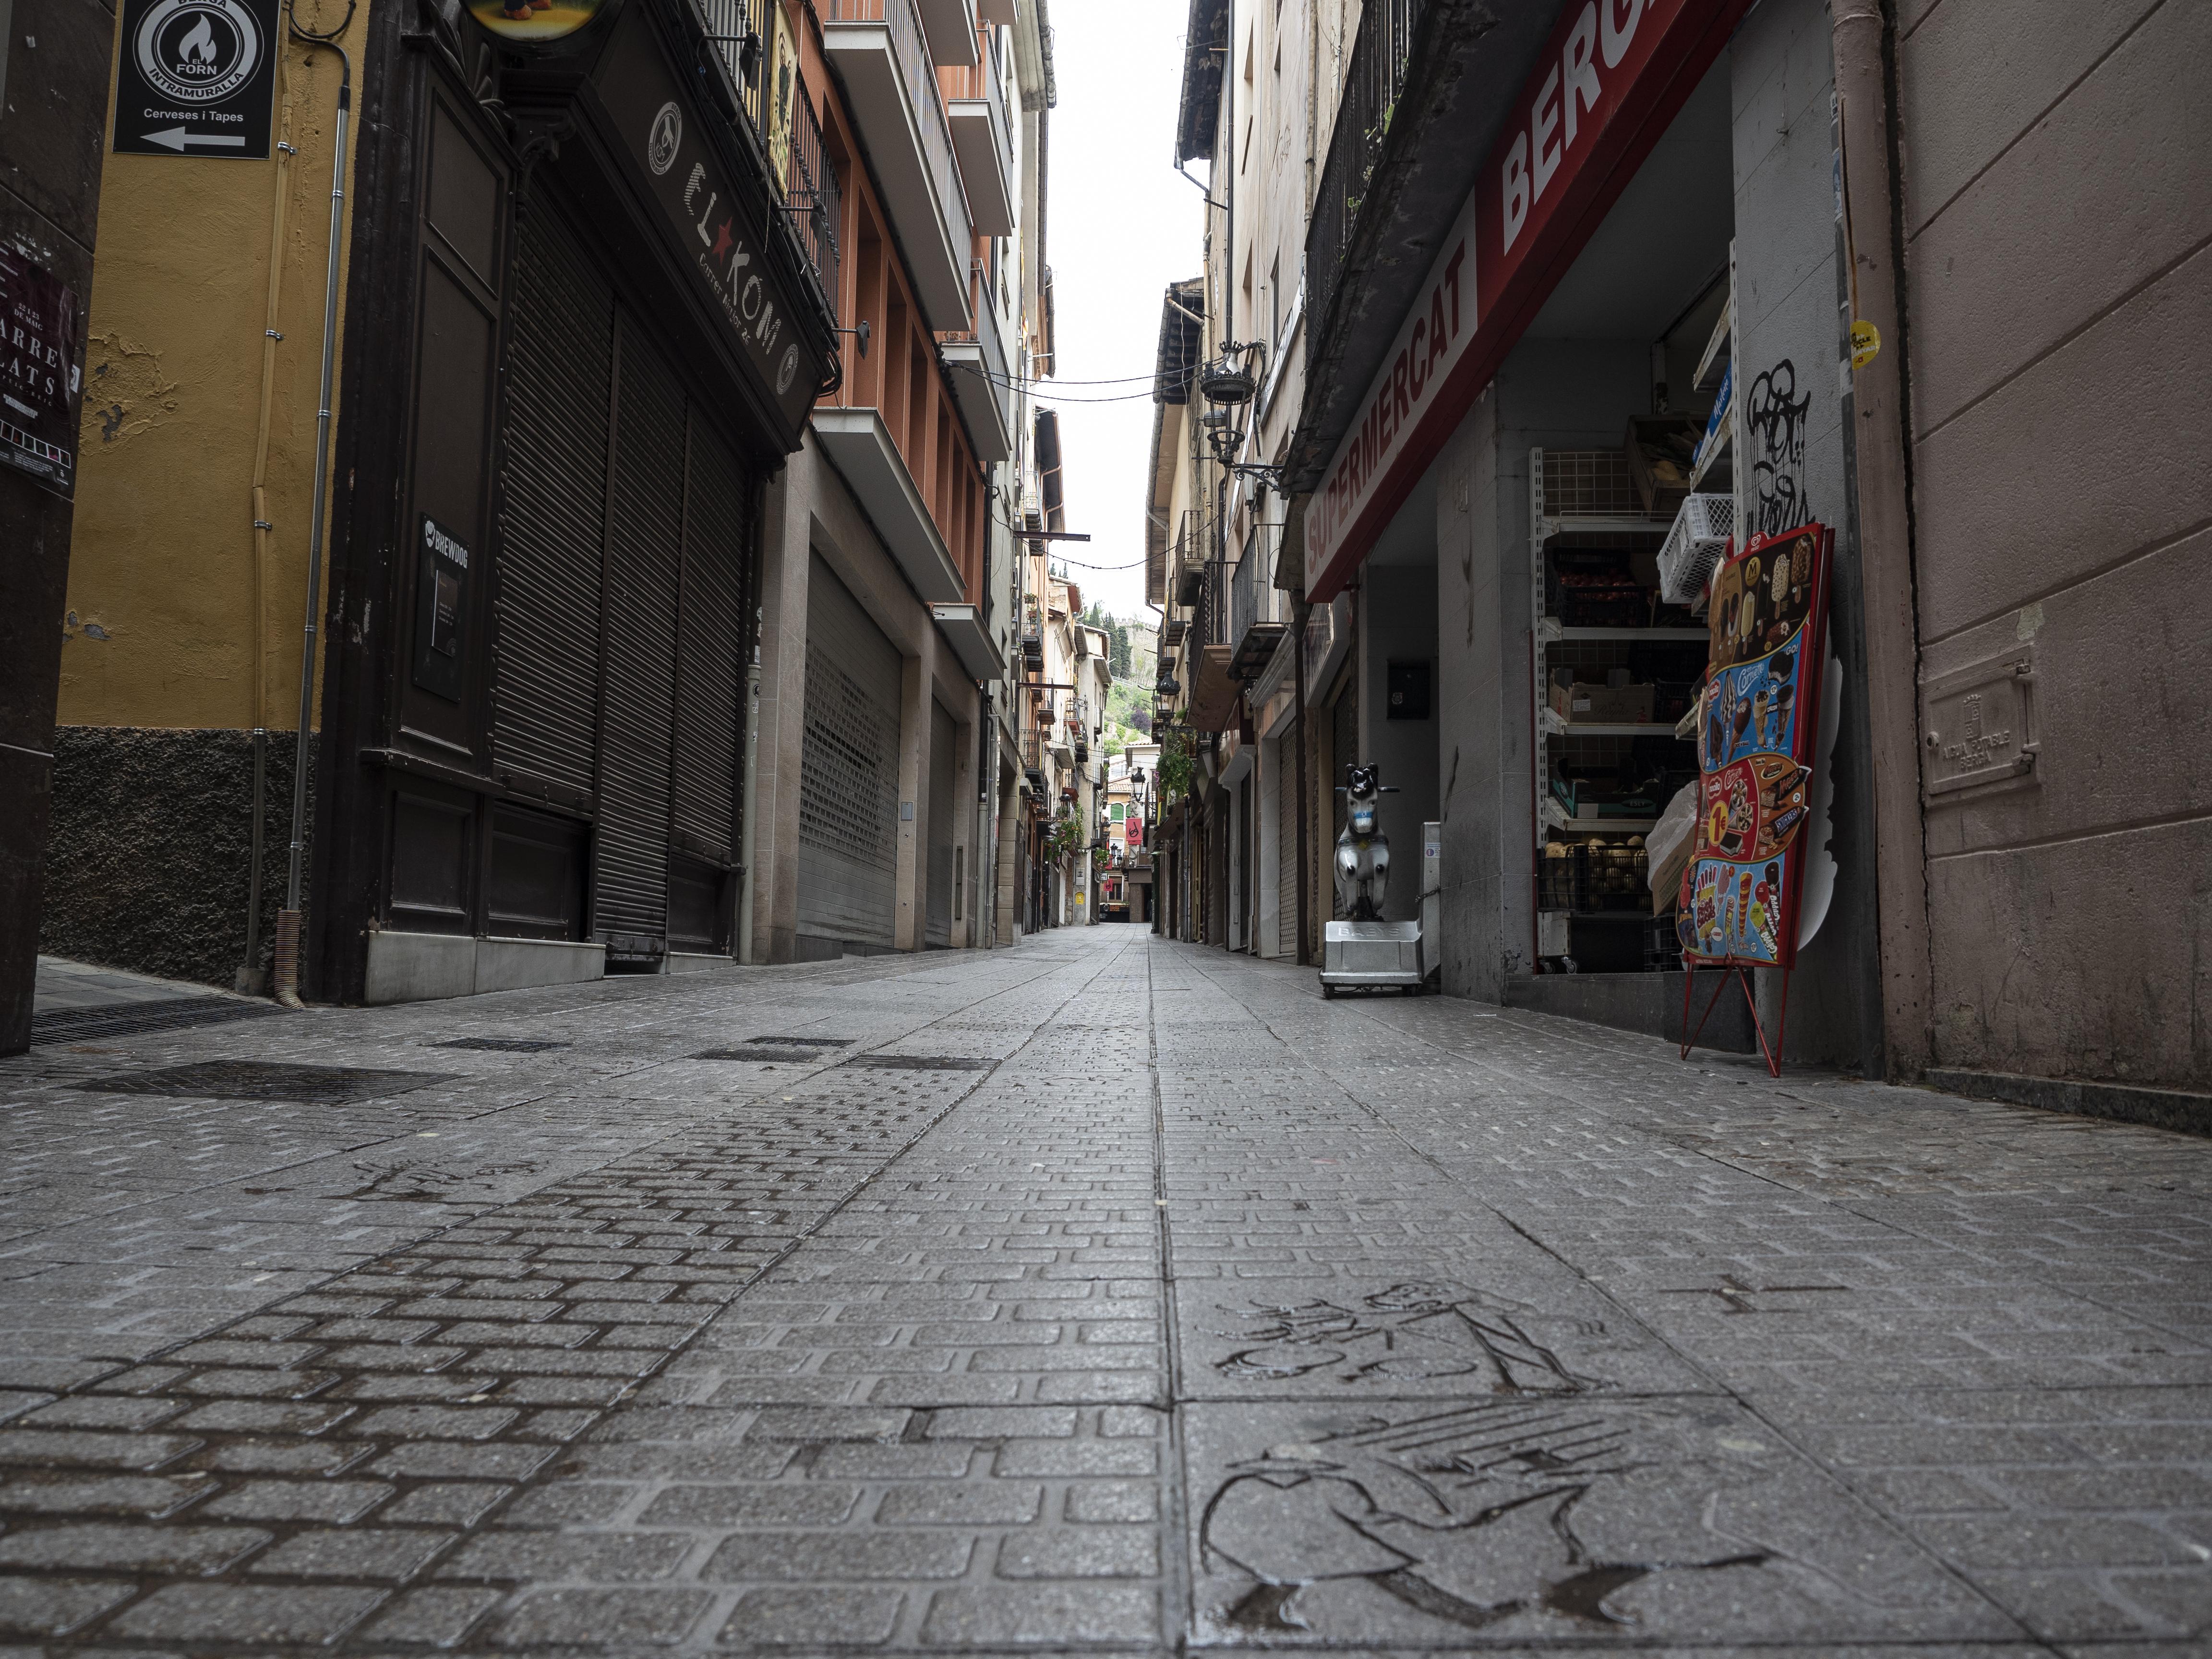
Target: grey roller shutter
pixel 848 783
pixel 1286 848
pixel 645 511
pixel 552 518
pixel 1344 751
pixel 710 645
pixel 943 736
pixel 708 715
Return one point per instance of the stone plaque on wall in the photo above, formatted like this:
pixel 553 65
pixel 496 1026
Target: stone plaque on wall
pixel 1977 724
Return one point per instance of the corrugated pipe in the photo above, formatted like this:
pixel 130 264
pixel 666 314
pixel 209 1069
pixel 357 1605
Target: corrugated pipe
pixel 287 920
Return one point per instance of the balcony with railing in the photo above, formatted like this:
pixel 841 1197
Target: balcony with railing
pixel 983 135
pixel 981 378
pixel 1213 690
pixel 1033 633
pixel 1382 52
pixel 810 196
pixel 1254 630
pixel 1186 560
pixel 1031 743
pixel 883 56
pixel 736 30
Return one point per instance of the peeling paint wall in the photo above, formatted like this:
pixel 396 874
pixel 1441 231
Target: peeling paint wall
pixel 162 577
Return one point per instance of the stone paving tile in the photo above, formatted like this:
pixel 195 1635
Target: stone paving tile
pixel 1198 1312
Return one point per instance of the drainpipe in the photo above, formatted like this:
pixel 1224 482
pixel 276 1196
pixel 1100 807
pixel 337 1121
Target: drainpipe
pixel 745 940
pixel 1299 612
pixel 287 920
pixel 248 978
pixel 1874 242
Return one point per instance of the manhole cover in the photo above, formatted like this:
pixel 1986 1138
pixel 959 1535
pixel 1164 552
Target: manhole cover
pixel 254 1080
pixel 501 1045
pixel 921 1063
pixel 126 1019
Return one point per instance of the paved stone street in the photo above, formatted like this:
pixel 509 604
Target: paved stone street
pixel 1101 1295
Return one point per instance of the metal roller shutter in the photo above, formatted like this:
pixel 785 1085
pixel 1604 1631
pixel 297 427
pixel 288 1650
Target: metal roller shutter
pixel 716 540
pixel 1286 847
pixel 710 644
pixel 552 518
pixel 1344 751
pixel 943 735
pixel 848 783
pixel 645 512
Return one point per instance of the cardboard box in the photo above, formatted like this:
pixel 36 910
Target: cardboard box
pixel 1579 702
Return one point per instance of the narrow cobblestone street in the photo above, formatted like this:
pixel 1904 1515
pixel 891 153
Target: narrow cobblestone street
pixel 1101 1295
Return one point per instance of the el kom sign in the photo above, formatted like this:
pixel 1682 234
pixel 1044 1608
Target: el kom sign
pixel 1612 76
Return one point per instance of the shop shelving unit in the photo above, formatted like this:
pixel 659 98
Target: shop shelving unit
pixel 1585 498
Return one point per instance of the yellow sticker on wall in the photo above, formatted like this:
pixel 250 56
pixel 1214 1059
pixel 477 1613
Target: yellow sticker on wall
pixel 1866 344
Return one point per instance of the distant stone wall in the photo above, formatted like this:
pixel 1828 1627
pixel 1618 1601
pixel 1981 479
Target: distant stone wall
pixel 149 863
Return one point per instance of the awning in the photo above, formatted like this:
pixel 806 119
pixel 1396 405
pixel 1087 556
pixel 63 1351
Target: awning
pixel 1551 177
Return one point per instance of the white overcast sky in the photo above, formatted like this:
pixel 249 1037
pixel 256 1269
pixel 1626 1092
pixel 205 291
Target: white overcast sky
pixel 1121 225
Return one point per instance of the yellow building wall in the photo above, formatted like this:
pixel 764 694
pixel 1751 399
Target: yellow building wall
pixel 173 598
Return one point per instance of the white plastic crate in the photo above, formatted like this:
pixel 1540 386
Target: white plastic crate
pixel 1695 546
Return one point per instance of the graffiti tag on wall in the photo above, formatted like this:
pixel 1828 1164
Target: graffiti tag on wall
pixel 1774 418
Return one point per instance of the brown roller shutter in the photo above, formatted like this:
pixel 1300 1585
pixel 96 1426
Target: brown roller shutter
pixel 552 518
pixel 645 523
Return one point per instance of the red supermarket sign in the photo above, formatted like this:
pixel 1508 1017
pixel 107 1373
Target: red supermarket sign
pixel 1613 75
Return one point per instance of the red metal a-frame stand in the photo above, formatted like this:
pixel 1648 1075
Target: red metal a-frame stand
pixel 1741 976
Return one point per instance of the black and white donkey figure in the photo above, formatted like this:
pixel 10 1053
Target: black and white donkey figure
pixel 1363 851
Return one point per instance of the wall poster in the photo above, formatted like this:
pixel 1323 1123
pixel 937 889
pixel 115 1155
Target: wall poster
pixel 1758 731
pixel 38 372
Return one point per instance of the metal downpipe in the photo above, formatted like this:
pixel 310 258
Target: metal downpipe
pixel 287 920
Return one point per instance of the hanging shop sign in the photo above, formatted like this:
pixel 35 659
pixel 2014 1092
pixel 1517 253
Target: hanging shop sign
pixel 716 228
pixel 1610 79
pixel 1758 723
pixel 533 22
pixel 38 372
pixel 197 77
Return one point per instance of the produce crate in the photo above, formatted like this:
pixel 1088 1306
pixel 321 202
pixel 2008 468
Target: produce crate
pixel 1615 877
pixel 1560 879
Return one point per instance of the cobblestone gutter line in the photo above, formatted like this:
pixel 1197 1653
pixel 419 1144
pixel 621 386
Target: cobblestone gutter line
pixel 271 1484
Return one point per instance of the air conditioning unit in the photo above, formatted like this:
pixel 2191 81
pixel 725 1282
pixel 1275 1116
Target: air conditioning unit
pixel 1694 547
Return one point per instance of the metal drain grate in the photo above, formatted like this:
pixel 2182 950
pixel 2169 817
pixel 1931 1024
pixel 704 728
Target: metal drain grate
pixel 806 1041
pixel 254 1080
pixel 129 1019
pixel 763 1053
pixel 500 1045
pixel 921 1063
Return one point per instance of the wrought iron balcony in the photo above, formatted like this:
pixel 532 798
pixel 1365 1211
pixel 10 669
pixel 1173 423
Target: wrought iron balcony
pixel 810 191
pixel 1253 627
pixel 1380 54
